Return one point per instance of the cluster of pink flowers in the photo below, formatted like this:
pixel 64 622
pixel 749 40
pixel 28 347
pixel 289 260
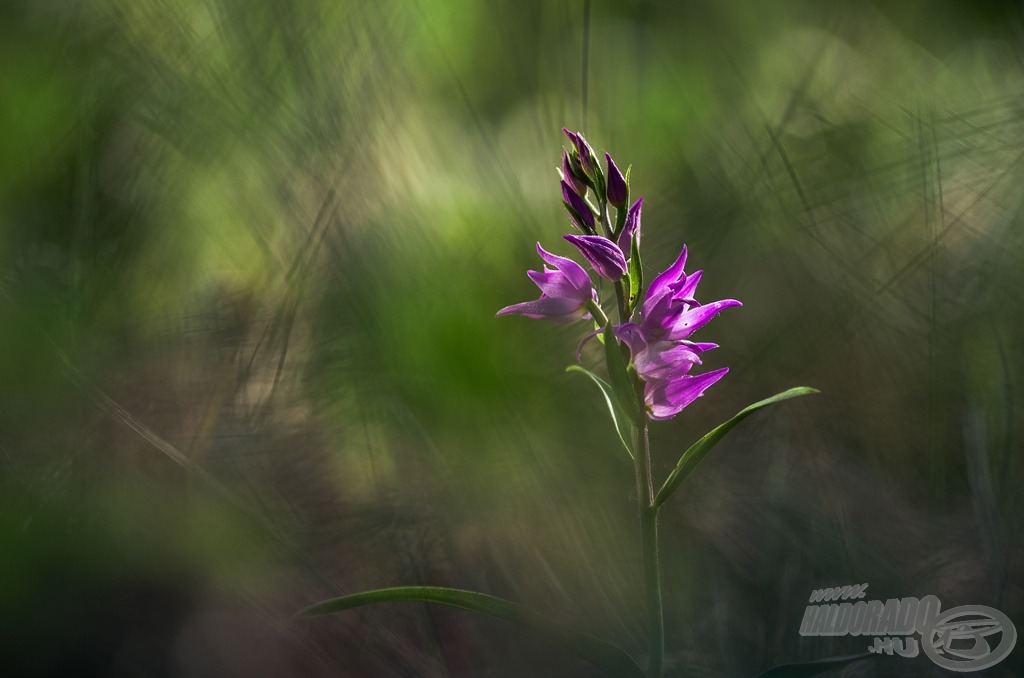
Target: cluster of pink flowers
pixel 658 331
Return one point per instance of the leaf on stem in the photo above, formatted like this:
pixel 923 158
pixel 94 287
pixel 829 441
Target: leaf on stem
pixel 812 668
pixel 702 447
pixel 600 653
pixel 619 418
pixel 636 275
pixel 618 377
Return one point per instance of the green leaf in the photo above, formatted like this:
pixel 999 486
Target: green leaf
pixel 618 377
pixel 619 418
pixel 636 275
pixel 702 447
pixel 600 653
pixel 812 668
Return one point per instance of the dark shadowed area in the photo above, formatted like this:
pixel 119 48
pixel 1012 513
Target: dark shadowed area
pixel 250 257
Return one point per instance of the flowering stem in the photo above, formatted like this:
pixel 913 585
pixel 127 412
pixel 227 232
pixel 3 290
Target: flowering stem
pixel 623 298
pixel 597 312
pixel 648 512
pixel 649 549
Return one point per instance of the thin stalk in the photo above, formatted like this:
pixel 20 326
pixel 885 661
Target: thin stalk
pixel 623 304
pixel 649 548
pixel 648 513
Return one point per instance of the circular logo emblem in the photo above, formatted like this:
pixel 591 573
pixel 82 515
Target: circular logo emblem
pixel 961 638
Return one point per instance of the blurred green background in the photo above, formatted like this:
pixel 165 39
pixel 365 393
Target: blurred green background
pixel 250 256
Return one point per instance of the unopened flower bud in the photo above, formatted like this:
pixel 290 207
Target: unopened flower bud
pixel 578 209
pixel 617 191
pixel 631 226
pixel 604 255
pixel 570 176
pixel 587 159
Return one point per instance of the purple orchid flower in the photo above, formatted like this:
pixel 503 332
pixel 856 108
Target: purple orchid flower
pixel 662 352
pixel 670 312
pixel 565 291
pixel 578 208
pixel 604 255
pixel 664 361
pixel 631 226
pixel 617 191
pixel 665 399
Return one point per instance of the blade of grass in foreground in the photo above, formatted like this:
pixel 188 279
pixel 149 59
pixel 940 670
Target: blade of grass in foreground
pixel 702 447
pixel 812 668
pixel 600 653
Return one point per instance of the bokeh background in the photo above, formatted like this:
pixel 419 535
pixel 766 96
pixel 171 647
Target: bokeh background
pixel 250 256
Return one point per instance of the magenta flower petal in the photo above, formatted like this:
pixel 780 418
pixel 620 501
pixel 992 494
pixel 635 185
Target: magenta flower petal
pixel 604 255
pixel 666 399
pixel 664 361
pixel 579 210
pixel 583 342
pixel 632 336
pixel 617 191
pixel 654 323
pixel 660 286
pixel 553 283
pixel 699 346
pixel 573 272
pixel 631 226
pixel 565 292
pixel 689 321
pixel 557 310
pixel 685 290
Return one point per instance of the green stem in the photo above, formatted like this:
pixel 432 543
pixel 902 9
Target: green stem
pixel 649 549
pixel 597 312
pixel 648 512
pixel 623 299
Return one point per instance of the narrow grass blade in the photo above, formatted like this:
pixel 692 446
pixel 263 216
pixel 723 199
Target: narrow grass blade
pixel 702 447
pixel 812 668
pixel 619 418
pixel 600 653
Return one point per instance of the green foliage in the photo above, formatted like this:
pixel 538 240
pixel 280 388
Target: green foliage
pixel 700 449
pixel 619 418
pixel 636 273
pixel 598 652
pixel 618 376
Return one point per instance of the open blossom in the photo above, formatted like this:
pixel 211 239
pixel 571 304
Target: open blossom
pixel 670 312
pixel 660 342
pixel 666 399
pixel 565 291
